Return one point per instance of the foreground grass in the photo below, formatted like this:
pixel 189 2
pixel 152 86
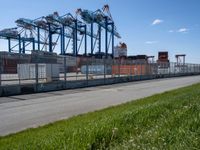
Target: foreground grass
pixel 165 121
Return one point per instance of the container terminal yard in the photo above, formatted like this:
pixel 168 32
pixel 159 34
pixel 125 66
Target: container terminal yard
pixel 92 79
pixel 57 52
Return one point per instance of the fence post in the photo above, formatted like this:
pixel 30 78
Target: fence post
pixel 193 68
pixel 190 69
pixel 104 70
pixel 87 71
pixel 119 68
pixel 186 69
pixel 65 74
pixel 76 69
pixel 131 69
pixel 137 70
pixel 170 65
pixel 150 71
pixel 196 68
pixel 36 76
pixel 19 74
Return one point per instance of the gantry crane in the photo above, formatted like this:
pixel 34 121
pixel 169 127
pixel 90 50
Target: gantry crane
pixel 40 31
pixel 180 59
pixel 24 34
pixel 28 25
pixel 78 28
pixel 104 21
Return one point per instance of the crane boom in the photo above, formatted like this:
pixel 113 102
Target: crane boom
pixel 97 17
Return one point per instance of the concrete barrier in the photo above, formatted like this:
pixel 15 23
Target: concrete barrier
pixel 76 84
pixel 10 90
pixel 0 91
pixel 62 85
pixel 95 82
pixel 53 86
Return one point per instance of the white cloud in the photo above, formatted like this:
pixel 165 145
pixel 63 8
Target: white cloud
pixel 157 21
pixel 151 42
pixel 183 30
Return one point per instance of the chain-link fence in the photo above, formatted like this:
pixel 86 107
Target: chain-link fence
pixel 23 69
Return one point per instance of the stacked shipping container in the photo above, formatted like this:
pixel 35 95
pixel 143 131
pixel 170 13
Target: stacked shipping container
pixel 135 69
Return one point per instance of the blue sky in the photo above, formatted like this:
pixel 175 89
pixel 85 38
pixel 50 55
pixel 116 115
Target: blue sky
pixel 176 25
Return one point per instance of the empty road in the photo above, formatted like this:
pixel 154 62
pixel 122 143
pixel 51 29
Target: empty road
pixel 26 111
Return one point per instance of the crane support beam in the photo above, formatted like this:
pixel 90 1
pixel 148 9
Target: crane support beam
pixel 113 40
pixel 38 37
pixel 9 45
pixel 50 38
pixel 99 28
pixel 92 40
pixel 106 36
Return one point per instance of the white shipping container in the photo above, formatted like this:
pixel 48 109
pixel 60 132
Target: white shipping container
pixel 96 69
pixel 118 51
pixel 70 60
pixel 49 72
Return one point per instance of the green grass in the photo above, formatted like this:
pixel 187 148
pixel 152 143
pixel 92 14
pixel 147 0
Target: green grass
pixel 165 121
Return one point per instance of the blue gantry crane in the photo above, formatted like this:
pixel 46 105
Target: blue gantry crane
pixel 68 28
pixel 77 27
pixel 24 34
pixel 15 34
pixel 104 21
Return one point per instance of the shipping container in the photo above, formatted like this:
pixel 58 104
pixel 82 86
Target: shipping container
pixel 49 72
pixel 9 61
pixel 163 57
pixel 120 50
pixel 140 69
pixel 96 69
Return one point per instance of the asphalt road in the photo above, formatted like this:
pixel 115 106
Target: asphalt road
pixel 28 111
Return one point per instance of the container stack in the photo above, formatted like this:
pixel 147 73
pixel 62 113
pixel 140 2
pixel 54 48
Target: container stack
pixel 120 50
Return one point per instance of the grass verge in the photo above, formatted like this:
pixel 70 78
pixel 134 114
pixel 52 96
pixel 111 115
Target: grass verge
pixel 164 121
